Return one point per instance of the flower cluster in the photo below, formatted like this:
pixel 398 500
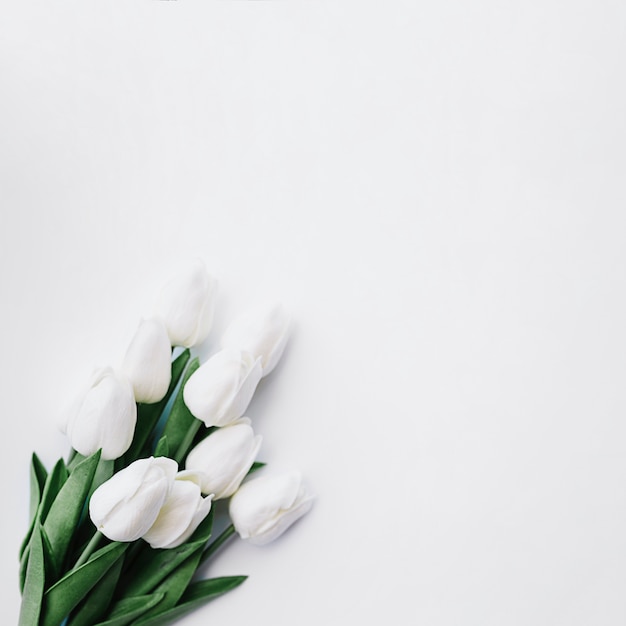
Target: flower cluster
pixel 155 444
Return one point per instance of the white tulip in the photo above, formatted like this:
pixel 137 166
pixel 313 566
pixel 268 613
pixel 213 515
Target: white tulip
pixel 225 457
pixel 263 332
pixel 148 361
pixel 219 391
pixel 181 513
pixel 262 509
pixel 186 305
pixel 127 505
pixel 104 416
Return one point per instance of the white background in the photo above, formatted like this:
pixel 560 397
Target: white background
pixel 436 190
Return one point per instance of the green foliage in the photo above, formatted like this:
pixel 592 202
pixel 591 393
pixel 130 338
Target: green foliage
pixel 65 511
pixel 114 586
pixel 67 594
pixel 95 605
pixel 34 581
pixel 181 424
pixel 127 610
pixel 195 596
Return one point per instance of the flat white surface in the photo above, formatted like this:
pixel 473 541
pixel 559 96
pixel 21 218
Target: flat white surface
pixel 436 190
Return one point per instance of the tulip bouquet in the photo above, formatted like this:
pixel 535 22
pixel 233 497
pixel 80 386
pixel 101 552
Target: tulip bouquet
pixel 119 531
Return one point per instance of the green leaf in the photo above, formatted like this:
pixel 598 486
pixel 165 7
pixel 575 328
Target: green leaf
pixel 153 566
pixel 94 607
pixel 148 414
pixel 38 475
pixel 195 596
pixel 128 609
pixel 50 564
pixel 173 582
pixel 181 422
pixel 35 581
pixel 55 480
pixel 24 565
pixel 104 471
pixel 257 465
pixel 162 448
pixel 174 586
pixel 65 595
pixel 62 520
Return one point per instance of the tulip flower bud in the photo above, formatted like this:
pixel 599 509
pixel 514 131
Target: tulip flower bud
pixel 186 305
pixel 181 513
pixel 262 509
pixel 127 505
pixel 148 361
pixel 219 391
pixel 104 416
pixel 224 458
pixel 263 332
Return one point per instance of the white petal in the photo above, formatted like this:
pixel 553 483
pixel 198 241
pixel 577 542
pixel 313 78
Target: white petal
pixel 247 388
pixel 105 417
pixel 263 508
pixel 212 389
pixel 263 332
pixel 148 361
pixel 126 505
pixel 224 458
pixel 175 515
pixel 186 305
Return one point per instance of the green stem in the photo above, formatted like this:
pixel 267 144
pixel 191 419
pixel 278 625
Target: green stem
pixel 185 444
pixel 89 550
pixel 215 545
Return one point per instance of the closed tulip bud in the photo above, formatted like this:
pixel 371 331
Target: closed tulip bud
pixel 263 332
pixel 148 361
pixel 104 416
pixel 219 391
pixel 186 305
pixel 262 509
pixel 127 505
pixel 224 458
pixel 181 513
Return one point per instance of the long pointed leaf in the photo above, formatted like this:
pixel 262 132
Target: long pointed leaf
pixel 50 565
pixel 61 599
pixel 62 520
pixel 38 475
pixel 129 609
pixel 196 595
pixel 94 607
pixel 174 586
pixel 180 421
pixel 153 566
pixel 56 479
pixel 35 582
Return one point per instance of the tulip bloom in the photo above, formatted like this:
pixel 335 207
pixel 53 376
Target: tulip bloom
pixel 127 505
pixel 148 361
pixel 186 305
pixel 263 332
pixel 224 458
pixel 219 391
pixel 262 509
pixel 104 416
pixel 181 513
